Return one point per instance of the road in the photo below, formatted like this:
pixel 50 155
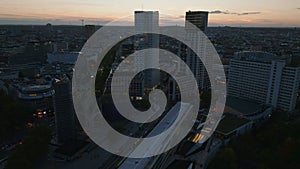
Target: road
pixel 165 123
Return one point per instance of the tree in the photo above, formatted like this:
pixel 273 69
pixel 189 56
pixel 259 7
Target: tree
pixel 13 115
pixel 274 145
pixel 34 146
pixel 224 159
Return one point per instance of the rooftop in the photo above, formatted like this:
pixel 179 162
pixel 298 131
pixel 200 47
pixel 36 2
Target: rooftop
pixel 36 88
pixel 230 123
pixel 197 12
pixel 150 12
pixel 243 107
pixel 259 56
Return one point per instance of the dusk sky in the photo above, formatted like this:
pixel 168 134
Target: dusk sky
pixel 223 12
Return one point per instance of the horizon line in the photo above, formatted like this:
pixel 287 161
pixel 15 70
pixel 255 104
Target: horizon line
pixel 233 26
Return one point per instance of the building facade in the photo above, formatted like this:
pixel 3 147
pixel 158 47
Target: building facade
pixel 147 21
pixel 264 78
pixel 64 111
pixel 38 97
pixel 62 57
pixel 199 20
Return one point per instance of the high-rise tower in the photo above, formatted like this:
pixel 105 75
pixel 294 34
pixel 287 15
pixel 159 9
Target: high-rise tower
pixel 196 20
pixel 147 21
pixel 64 111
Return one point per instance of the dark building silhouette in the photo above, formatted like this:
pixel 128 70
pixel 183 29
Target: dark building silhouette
pixel 89 30
pixel 64 111
pixel 198 18
pixel 147 21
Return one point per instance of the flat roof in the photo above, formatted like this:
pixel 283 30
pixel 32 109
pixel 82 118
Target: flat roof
pixel 145 11
pixel 260 56
pixel 230 122
pixel 244 107
pixel 36 88
pixel 197 12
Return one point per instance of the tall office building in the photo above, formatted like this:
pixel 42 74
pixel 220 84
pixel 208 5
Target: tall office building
pixel 199 19
pixel 265 78
pixel 147 21
pixel 64 111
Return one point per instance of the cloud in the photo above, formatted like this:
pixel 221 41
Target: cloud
pixel 219 12
pixel 264 20
pixel 233 13
pixel 298 8
pixel 249 13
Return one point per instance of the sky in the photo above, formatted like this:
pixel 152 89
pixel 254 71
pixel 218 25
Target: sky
pixel 265 13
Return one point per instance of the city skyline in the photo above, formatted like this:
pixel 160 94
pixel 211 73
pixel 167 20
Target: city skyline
pixel 269 13
pixel 149 95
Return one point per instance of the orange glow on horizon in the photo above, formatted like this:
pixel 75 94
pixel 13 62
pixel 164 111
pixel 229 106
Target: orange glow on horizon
pixel 235 12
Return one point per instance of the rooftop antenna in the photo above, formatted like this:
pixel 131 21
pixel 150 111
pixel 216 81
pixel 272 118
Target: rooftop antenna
pixel 82 25
pixel 82 22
